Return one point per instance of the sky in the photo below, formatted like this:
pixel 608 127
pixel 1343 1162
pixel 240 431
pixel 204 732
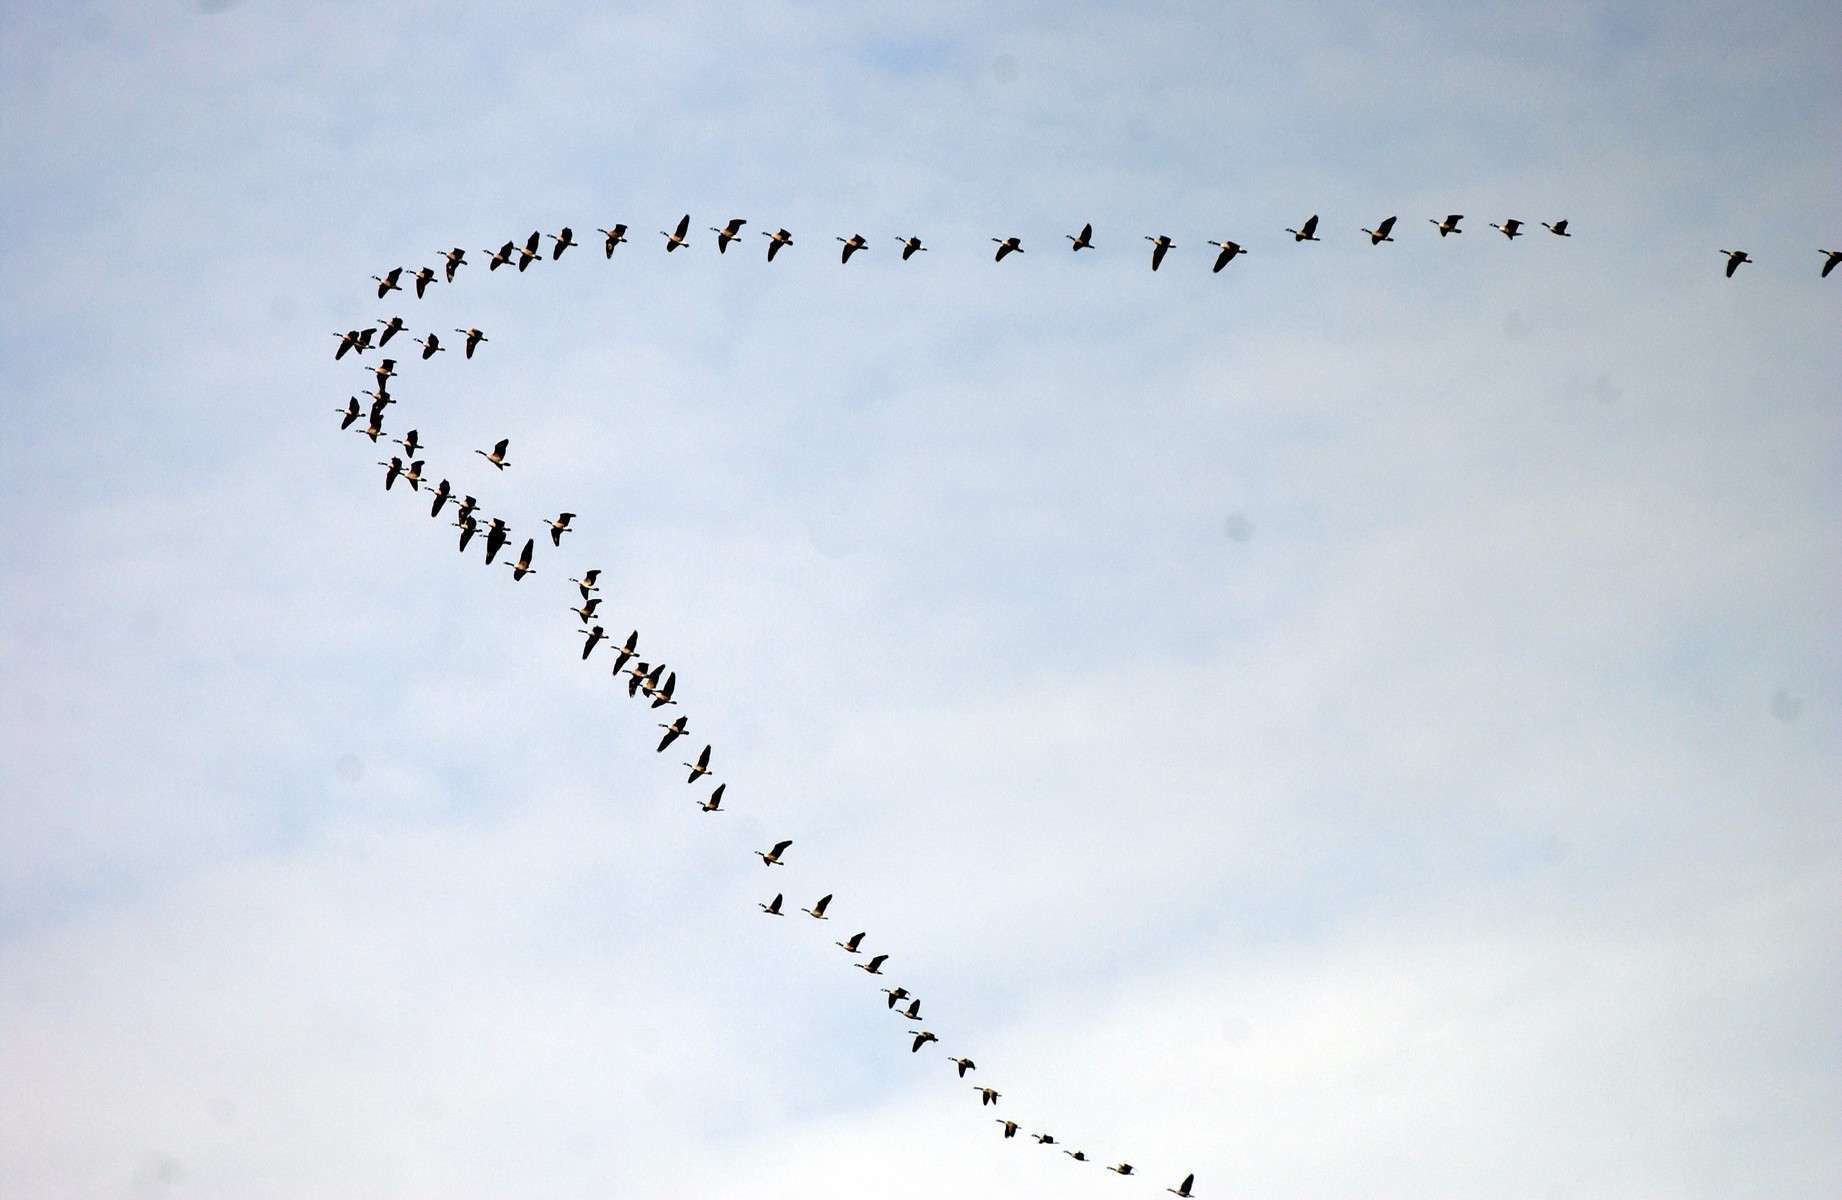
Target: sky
pixel 1363 723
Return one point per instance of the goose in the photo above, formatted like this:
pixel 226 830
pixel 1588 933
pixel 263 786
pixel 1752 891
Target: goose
pixel 468 527
pixel 662 696
pixel 1006 246
pixel 388 329
pixel 922 1038
pixel 559 527
pixel 964 1065
pixel 1830 259
pixel 874 966
pixel 817 911
pixel 501 257
pixel 776 240
pixel 1449 225
pixel 1228 250
pixel 1308 232
pixel 564 239
pixel 1558 229
pixel 912 1012
pixel 1076 1155
pixel 591 637
pixel 851 943
pixel 772 907
pixel 614 236
pixel 465 508
pixel 673 732
pixel 1511 229
pixel 495 537
pixel 1010 1127
pixel 675 240
pixel 522 567
pixel 728 233
pixel 587 582
pixel 1381 233
pixel 1124 1168
pixel 1183 1189
pixel 1734 259
pixel 587 611
pixel 384 369
pixel 636 675
pixel 497 457
pixel 771 858
pixel 1084 240
pixel 895 994
pixel 474 338
pixel 702 767
pixel 715 802
pixel 986 1095
pixel 646 682
pixel 413 476
pixel 533 251
pixel 431 346
pixel 852 245
pixel 456 259
pixel 375 425
pixel 424 277
pixel 626 651
pixel 1044 1139
pixel 1159 245
pixel 364 339
pixel 442 495
pixel 387 282
pixel 395 466
pixel 910 247
pixel 379 398
pixel 347 341
pixel 349 413
pixel 410 443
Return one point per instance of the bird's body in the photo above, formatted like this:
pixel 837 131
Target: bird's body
pixel 852 245
pixel 1449 225
pixel 1083 240
pixel 1159 245
pixel 675 240
pixel 1009 245
pixel 776 240
pixel 1308 232
pixel 497 457
pixel 772 858
pixel 1511 229
pixel 911 246
pixel 702 767
pixel 1229 250
pixel 1734 259
pixel 728 233
pixel 1383 232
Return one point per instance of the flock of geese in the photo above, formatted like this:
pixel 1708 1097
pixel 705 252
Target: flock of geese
pixel 521 256
pixel 650 681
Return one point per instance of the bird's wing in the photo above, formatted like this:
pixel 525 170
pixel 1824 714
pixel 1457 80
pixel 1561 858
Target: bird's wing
pixel 1311 225
pixel 781 847
pixel 684 224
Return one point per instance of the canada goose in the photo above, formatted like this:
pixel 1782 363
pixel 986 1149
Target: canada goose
pixel 1229 250
pixel 1449 225
pixel 564 239
pixel 1085 240
pixel 347 341
pixel 388 329
pixel 385 368
pixel 895 994
pixel 468 527
pixel 922 1038
pixel 413 476
pixel 501 257
pixel 817 911
pixel 424 277
pixel 410 443
pixel 614 236
pixel 912 1012
pixel 675 240
pixel 533 251
pixel 522 567
pixel 1076 1155
pixel 559 527
pixel 1830 259
pixel 587 611
pixel 497 457
pixel 1511 229
pixel 715 802
pixel 850 944
pixel 587 582
pixel 1010 1127
pixel 852 245
pixel 1006 246
pixel 1558 229
pixel 1381 233
pixel 772 907
pixel 474 338
pixel 661 696
pixel 771 858
pixel 986 1095
pixel 456 259
pixel 364 340
pixel 874 966
pixel 626 651
pixel 349 412
pixel 1734 259
pixel 592 637
pixel 1159 245
pixel 442 494
pixel 964 1065
pixel 465 508
pixel 702 767
pixel 431 346
pixel 375 425
pixel 727 234
pixel 910 247
pixel 395 466
pixel 645 679
pixel 673 732
pixel 1308 232
pixel 1183 1189
pixel 379 399
pixel 495 537
pixel 776 240
pixel 1124 1168
pixel 1044 1139
pixel 387 282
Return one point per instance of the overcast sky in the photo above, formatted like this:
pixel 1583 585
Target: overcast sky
pixel 1366 723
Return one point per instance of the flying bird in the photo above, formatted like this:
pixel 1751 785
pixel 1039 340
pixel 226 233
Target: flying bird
pixel 1044 1139
pixel 661 696
pixel 413 476
pixel 1010 1127
pixel 497 457
pixel 468 527
pixel 442 494
pixel 1511 229
pixel 559 527
pixel 591 638
pixel 817 911
pixel 431 346
pixel 852 245
pixel 772 907
pixel 851 943
pixel 1124 1168
pixel 987 1095
pixel 1449 225
pixel 387 282
pixel 1159 245
pixel 1558 229
pixel 564 239
pixel 771 858
pixel 1006 246
pixel 533 251
pixel 375 424
pixel 456 259
pixel 964 1065
pixel 1076 1155
pixel 702 767
pixel 675 240
pixel 465 508
pixel 474 338
pixel 349 412
pixel 587 582
pixel 522 567
pixel 615 237
pixel 587 611
pixel 389 328
pixel 495 538
pixel 910 247
pixel 1183 1189
pixel 715 802
pixel 727 233
pixel 395 466
pixel 912 1012
pixel 500 257
pixel 895 994
pixel 1830 259
pixel 424 277
pixel 1228 251
pixel 1308 232
pixel 1381 233
pixel 626 651
pixel 1085 240
pixel 410 443
pixel 922 1038
pixel 1734 259
pixel 874 966
pixel 776 240
pixel 347 341
pixel 385 368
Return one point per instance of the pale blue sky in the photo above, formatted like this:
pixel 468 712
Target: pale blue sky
pixel 1362 723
